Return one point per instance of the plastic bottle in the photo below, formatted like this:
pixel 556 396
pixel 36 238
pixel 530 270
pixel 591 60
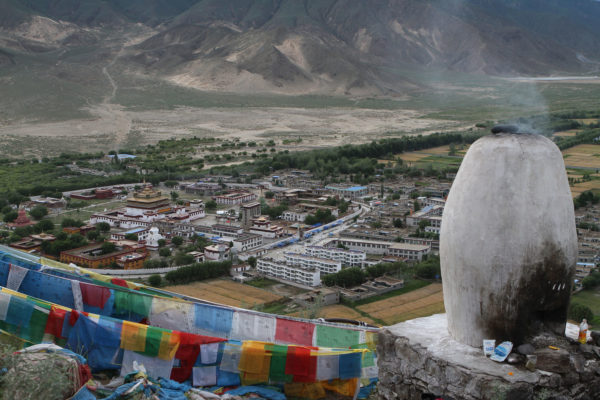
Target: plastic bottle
pixel 583 329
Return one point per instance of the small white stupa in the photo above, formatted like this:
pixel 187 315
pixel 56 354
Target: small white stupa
pixel 153 237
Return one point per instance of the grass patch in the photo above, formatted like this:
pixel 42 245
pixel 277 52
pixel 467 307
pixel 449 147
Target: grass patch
pixel 409 286
pixel 278 307
pixel 262 283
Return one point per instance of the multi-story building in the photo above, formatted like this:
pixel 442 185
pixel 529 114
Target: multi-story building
pixel 324 265
pixel 249 211
pixel 262 226
pixel 352 258
pixel 226 230
pixel 141 233
pixel 410 252
pixel 216 252
pixel 295 215
pixel 277 269
pixel 235 197
pixel 348 192
pixel 368 246
pixel 247 241
pixel 92 256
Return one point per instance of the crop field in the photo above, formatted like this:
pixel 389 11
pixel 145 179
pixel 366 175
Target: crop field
pixel 583 155
pixel 336 311
pixel 569 133
pixel 226 292
pixel 418 303
pixel 437 156
pixel 579 188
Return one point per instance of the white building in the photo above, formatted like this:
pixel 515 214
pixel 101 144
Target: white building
pixel 348 192
pixel 262 226
pixel 141 233
pixel 294 215
pixel 352 258
pixel 304 261
pixel 425 213
pixel 226 230
pixel 277 269
pixel 368 246
pixel 237 197
pixel 411 252
pixel 216 252
pixel 247 241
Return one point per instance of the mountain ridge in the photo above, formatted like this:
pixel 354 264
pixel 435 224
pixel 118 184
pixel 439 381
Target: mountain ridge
pixel 342 47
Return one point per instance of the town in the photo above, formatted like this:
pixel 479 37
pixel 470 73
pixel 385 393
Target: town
pixel 292 243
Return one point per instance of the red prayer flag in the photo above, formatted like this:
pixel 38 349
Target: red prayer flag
pixel 294 332
pixel 94 295
pixel 300 364
pixel 55 322
pixel 119 282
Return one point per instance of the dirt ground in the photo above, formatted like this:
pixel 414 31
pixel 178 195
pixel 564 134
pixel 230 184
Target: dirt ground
pixel 113 127
pixel 583 155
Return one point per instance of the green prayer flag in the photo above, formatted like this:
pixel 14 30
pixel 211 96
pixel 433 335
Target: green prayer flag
pixel 330 336
pixel 278 359
pixel 153 338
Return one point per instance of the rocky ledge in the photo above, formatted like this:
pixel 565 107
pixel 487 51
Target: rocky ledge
pixel 418 359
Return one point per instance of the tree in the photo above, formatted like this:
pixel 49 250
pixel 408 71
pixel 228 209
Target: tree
pixel 183 259
pixel 103 226
pixel 164 252
pixel 177 241
pixel 162 242
pixel 6 209
pixel 398 223
pixel 252 261
pixel 155 280
pixel 424 223
pixel 211 205
pixel 131 236
pixel 269 195
pixel 45 225
pixel 171 183
pixel 174 196
pixel 38 212
pixel 11 216
pixel 71 222
pixel 578 312
pixel 108 247
pixel 91 235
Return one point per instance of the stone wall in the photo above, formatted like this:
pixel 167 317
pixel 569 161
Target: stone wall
pixel 418 358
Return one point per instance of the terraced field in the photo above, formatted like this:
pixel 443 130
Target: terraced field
pixel 418 303
pixel 226 292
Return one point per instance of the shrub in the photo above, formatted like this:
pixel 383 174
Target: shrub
pixel 155 280
pixel 578 312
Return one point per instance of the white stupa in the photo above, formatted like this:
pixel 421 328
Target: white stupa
pixel 153 237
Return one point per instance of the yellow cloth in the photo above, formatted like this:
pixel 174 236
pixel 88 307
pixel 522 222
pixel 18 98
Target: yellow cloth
pixel 169 343
pixel 305 390
pixel 133 336
pixel 255 363
pixel 345 387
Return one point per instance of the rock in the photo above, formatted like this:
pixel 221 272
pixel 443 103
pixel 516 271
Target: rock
pixel 578 363
pixel 514 358
pixel 587 349
pixel 526 349
pixel 550 360
pixel 531 363
pixel 595 337
pixel 596 350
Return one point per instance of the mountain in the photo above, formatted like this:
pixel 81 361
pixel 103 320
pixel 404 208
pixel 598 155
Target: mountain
pixel 358 47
